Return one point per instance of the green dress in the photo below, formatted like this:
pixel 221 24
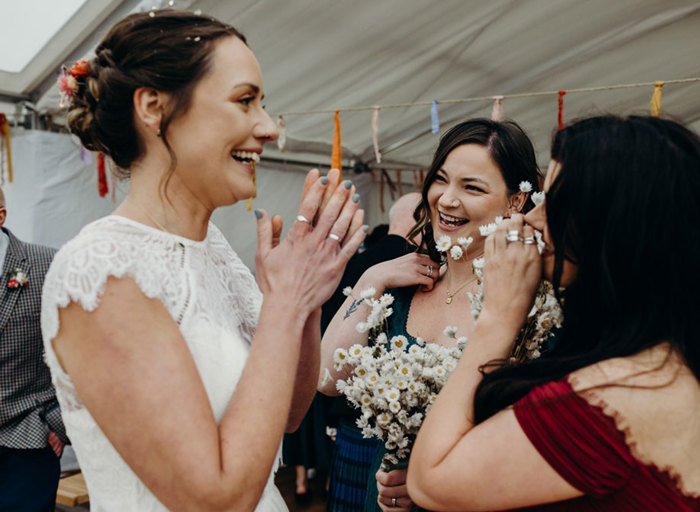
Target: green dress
pixel 396 327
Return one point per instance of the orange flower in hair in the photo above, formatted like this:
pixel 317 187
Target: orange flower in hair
pixel 79 68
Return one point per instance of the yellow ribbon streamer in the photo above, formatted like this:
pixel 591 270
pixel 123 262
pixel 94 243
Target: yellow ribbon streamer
pixel 5 131
pixel 337 153
pixel 655 104
pixel 255 189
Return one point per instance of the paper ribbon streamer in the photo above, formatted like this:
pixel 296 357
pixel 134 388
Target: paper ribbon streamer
pixel 434 119
pixel 375 135
pixel 282 133
pixel 85 156
pixel 497 112
pixel 102 187
pixel 337 153
pixel 112 181
pixel 5 133
pixel 249 205
pixel 655 104
pixel 560 109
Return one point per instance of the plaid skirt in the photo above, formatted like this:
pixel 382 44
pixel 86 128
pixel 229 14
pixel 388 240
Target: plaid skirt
pixel 350 469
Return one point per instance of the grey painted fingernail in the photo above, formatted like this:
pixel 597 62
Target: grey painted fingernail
pixel 365 228
pixel 356 198
pixel 324 181
pixel 347 183
pixel 258 214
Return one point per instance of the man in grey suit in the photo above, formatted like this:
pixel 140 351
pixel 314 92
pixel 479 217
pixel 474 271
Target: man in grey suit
pixel 32 434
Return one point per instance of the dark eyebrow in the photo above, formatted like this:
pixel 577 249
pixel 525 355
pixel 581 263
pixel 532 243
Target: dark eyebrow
pixel 468 179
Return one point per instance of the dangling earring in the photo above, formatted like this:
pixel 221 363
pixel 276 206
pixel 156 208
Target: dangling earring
pixel 255 188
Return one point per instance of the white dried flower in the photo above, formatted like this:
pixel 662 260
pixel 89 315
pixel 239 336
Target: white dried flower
pixel 456 252
pixel 537 198
pixel 443 243
pixel 347 291
pixel 368 293
pixel 450 331
pixel 525 186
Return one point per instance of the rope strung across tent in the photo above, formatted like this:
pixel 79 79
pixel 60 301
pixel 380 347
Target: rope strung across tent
pixel 490 98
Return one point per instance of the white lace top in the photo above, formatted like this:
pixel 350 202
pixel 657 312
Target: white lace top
pixel 211 295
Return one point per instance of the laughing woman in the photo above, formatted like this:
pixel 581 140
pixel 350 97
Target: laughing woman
pixel 609 419
pixel 176 376
pixel 474 178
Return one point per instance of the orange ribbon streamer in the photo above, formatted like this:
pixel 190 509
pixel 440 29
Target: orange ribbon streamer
pixel 337 153
pixel 5 133
pixel 655 104
pixel 249 205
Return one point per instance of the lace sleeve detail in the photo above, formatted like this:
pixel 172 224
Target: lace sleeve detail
pixel 245 292
pixel 80 271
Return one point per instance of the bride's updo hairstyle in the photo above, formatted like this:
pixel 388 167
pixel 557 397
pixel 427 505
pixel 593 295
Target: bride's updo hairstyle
pixel 166 50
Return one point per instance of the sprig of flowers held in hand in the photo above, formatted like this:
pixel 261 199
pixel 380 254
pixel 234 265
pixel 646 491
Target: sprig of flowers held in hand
pixel 545 313
pixel 393 383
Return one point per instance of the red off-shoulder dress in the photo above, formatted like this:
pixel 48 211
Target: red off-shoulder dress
pixel 583 443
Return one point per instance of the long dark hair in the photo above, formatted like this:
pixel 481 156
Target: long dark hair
pixel 623 208
pixel 509 147
pixel 166 50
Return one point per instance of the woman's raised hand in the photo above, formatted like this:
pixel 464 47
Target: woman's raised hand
pixel 306 266
pixel 512 270
pixel 407 270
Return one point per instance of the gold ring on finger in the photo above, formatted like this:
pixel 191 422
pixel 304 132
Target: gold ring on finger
pixel 393 502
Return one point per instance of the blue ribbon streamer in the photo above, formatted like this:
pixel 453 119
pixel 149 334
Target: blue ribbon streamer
pixel 434 117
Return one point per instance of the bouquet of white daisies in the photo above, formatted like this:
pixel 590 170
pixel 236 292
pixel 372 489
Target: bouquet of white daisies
pixel 393 383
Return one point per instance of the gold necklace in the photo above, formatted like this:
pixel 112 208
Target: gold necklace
pixel 448 299
pixel 154 221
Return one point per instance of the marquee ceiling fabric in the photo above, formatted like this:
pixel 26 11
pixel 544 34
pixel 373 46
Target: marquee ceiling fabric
pixel 318 54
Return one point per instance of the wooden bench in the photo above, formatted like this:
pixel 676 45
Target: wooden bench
pixel 72 491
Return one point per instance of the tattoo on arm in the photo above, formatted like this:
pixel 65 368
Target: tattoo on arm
pixel 352 308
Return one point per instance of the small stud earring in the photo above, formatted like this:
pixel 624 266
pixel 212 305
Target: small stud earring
pixel 158 134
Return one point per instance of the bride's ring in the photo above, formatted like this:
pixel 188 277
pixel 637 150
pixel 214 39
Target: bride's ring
pixel 301 218
pixel 430 271
pixel 393 502
pixel 529 240
pixel 334 237
pixel 513 236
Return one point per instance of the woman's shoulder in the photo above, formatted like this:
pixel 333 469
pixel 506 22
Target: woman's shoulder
pixel 653 398
pixel 112 246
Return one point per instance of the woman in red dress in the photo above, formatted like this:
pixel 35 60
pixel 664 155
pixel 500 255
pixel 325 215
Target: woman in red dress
pixel 609 420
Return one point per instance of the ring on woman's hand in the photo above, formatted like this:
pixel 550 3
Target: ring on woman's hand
pixel 529 240
pixel 430 271
pixel 301 218
pixel 393 502
pixel 513 236
pixel 334 237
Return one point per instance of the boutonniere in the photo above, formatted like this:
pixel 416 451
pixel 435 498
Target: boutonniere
pixel 18 277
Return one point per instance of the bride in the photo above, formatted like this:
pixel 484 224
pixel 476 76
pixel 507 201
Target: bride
pixel 176 374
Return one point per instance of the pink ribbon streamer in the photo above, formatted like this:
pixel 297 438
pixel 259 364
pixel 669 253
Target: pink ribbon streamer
pixel 497 112
pixel 375 134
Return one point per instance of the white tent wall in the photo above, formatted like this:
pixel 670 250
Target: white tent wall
pixel 54 194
